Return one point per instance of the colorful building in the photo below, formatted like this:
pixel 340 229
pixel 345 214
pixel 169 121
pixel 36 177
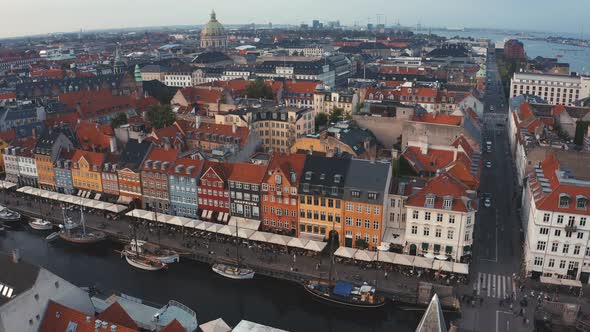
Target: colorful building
pixel 280 204
pixel 321 191
pixel 183 180
pixel 154 179
pixel 63 172
pixel 86 170
pixel 364 202
pixel 244 184
pixel 214 190
pixel 19 161
pixel 128 174
pixel 47 150
pixel 110 180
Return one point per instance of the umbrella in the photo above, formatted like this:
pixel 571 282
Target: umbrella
pixel 429 255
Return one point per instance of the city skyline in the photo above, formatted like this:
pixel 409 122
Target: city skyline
pixel 70 16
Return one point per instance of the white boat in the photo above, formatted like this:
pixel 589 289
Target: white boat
pixel 52 237
pixel 152 251
pixel 7 215
pixel 144 263
pixel 233 271
pixel 40 224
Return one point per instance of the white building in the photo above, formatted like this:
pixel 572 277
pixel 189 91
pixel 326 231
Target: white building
pixel 555 89
pixel 181 79
pixel 20 162
pixel 440 219
pixel 555 218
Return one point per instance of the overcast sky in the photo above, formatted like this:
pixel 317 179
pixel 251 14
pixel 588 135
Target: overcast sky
pixel 25 17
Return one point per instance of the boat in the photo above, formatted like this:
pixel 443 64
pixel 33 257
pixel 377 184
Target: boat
pixel 144 263
pixel 52 237
pixel 345 293
pixel 234 271
pixel 152 251
pixel 80 235
pixel 8 216
pixel 2 228
pixel 40 224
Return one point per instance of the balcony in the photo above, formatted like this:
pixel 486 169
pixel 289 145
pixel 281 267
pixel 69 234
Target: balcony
pixel 571 228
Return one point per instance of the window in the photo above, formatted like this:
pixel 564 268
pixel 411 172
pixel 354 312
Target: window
pixel 355 193
pixel 541 245
pixel 359 208
pixel 577 249
pixel 439 217
pixel 580 235
pixel 583 221
pixel 557 232
pixel 551 262
pixel 560 219
pixel 447 203
pixel 544 231
pixel 566 248
pixel 415 230
pixel 359 222
pixel 367 224
pixel 546 217
pixel 349 207
pixel 571 221
pixel 538 261
pixel 581 203
pixel 468 220
pixel 375 225
pixel 376 210
pixel 414 214
pixel 450 234
pixel 426 215
pixel 564 200
pixel 562 264
pixel 426 231
pixel 429 201
pixel 438 232
pixel 348 221
pixel 554 247
pixel 451 219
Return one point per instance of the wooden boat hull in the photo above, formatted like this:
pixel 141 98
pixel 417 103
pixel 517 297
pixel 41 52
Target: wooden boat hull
pixel 95 237
pixel 144 263
pixel 167 257
pixel 341 301
pixel 228 272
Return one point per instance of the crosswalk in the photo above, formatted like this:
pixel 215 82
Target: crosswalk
pixel 493 285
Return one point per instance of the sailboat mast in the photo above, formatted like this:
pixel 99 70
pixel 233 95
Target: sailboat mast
pixel 330 237
pixel 237 245
pixel 82 220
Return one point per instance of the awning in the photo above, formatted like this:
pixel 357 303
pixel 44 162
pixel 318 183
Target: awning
pixel 279 239
pixel 460 268
pixel 364 255
pixel 244 223
pixel 226 217
pixel 406 260
pixel 423 262
pixel 6 184
pixel 226 230
pixel 429 255
pixel 261 236
pixel 245 233
pixel 193 223
pixel 298 243
pixel 213 228
pixel 203 225
pixel 561 282
pixel 124 200
pixel 209 213
pixel 91 203
pixel 443 266
pixel 345 252
pixel 315 245
pixel 387 257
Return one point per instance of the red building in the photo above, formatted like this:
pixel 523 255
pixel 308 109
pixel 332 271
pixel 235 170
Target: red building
pixel 513 49
pixel 154 179
pixel 279 194
pixel 213 191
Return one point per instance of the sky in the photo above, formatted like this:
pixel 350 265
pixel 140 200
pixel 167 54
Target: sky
pixel 27 17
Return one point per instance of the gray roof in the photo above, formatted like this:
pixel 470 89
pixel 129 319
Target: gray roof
pixel 154 69
pixel 134 154
pixel 19 277
pixel 320 174
pixel 433 319
pixel 366 176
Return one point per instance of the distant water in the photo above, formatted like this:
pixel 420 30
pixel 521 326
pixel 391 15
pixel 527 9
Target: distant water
pixel 577 57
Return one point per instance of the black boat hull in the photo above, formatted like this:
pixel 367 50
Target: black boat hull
pixel 344 303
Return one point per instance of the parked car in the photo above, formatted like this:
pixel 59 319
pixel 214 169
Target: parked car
pixel 488 164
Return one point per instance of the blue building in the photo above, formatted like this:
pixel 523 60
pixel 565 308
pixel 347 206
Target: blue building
pixel 63 174
pixel 183 180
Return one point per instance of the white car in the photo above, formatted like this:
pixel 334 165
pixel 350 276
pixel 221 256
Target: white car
pixel 488 164
pixel 487 202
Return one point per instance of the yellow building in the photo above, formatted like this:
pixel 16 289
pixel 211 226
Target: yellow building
pixel 86 170
pixel 3 145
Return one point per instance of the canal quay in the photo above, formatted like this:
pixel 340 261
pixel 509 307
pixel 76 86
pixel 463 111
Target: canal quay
pixel 275 297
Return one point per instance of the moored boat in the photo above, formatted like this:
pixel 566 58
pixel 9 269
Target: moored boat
pixel 8 216
pixel 52 237
pixel 80 235
pixel 152 251
pixel 40 224
pixel 233 271
pixel 144 263
pixel 345 293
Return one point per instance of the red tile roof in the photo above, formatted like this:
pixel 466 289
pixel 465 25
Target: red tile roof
pixel 248 173
pixel 70 119
pixel 464 144
pixel 49 73
pixel 93 158
pixel 8 135
pixel 202 95
pixel 7 95
pixel 26 145
pixel 525 111
pixel 223 170
pixel 94 136
pixel 462 172
pixel 301 86
pixel 443 119
pixel 173 326
pixel 557 110
pixel 57 317
pixel 115 314
pixel 431 161
pixel 162 155
pixel 440 186
pixel 92 104
pixel 213 128
pixel 287 164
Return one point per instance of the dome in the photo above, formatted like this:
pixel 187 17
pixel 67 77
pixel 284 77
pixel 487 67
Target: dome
pixel 213 28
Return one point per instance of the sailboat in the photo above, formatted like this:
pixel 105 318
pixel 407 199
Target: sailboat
pixel 344 293
pixel 71 233
pixel 152 251
pixel 234 271
pixel 40 224
pixel 141 261
pixel 8 216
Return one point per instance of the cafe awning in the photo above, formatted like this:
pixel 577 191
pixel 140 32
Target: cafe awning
pixel 213 228
pixel 423 262
pixel 245 233
pixel 298 242
pixel 442 265
pixel 226 230
pixel 345 252
pixel 460 268
pixel 90 203
pixel 261 236
pixel 315 245
pixel 203 225
pixel 387 257
pixel 193 223
pixel 364 255
pixel 405 260
pixel 561 282
pixel 279 239
pixel 6 184
pixel 244 223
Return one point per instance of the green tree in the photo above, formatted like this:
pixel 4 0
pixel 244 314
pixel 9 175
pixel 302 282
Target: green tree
pixel 119 120
pixel 581 130
pixel 160 116
pixel 321 120
pixel 258 89
pixel 337 114
pixel 361 244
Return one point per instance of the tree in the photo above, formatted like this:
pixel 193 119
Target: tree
pixel 337 114
pixel 160 116
pixel 119 120
pixel 321 120
pixel 259 90
pixel 361 244
pixel 581 130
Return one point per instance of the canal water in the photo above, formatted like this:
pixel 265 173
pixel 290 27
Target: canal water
pixel 264 300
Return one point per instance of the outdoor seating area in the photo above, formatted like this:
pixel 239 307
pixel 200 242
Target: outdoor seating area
pixel 70 199
pixel 6 184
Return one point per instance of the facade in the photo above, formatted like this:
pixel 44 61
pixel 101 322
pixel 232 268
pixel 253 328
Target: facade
pixel 179 78
pixel 213 34
pixel 183 180
pixel 514 49
pixel 213 191
pixel 47 151
pixel 280 204
pixel 244 190
pixel 555 218
pixel 555 89
pixel 63 172
pixel 297 69
pixel 278 128
pixel 128 174
pixel 110 180
pixel 365 193
pixel 154 179
pixel 326 101
pixel 87 169
pixel 441 218
pixel 321 194
pixel 19 161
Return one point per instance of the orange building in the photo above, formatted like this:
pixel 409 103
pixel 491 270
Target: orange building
pixel 46 152
pixel 279 194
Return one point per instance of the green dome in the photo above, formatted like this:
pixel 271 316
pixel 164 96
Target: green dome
pixel 213 28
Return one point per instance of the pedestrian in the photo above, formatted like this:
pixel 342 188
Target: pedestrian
pixel 294 258
pixel 385 275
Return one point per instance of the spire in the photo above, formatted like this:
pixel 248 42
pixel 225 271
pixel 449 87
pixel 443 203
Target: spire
pixel 137 74
pixel 213 15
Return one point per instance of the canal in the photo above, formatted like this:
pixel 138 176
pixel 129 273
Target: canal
pixel 263 300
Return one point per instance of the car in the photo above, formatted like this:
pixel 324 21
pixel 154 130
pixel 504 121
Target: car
pixel 487 202
pixel 492 108
pixel 488 164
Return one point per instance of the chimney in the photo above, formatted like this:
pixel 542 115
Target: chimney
pixel 198 121
pixel 15 256
pixel 234 128
pixel 113 144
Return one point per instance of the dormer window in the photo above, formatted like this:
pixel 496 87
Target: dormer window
pixel 447 202
pixel 429 201
pixel 323 176
pixel 581 202
pixel 278 179
pixel 337 178
pixel 564 200
pixel 372 196
pixel 355 193
pixel 308 176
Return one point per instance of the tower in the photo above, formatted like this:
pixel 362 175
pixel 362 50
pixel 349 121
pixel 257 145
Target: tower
pixel 118 64
pixel 213 34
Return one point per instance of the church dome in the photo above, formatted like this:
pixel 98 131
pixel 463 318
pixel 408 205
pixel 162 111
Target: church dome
pixel 213 28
